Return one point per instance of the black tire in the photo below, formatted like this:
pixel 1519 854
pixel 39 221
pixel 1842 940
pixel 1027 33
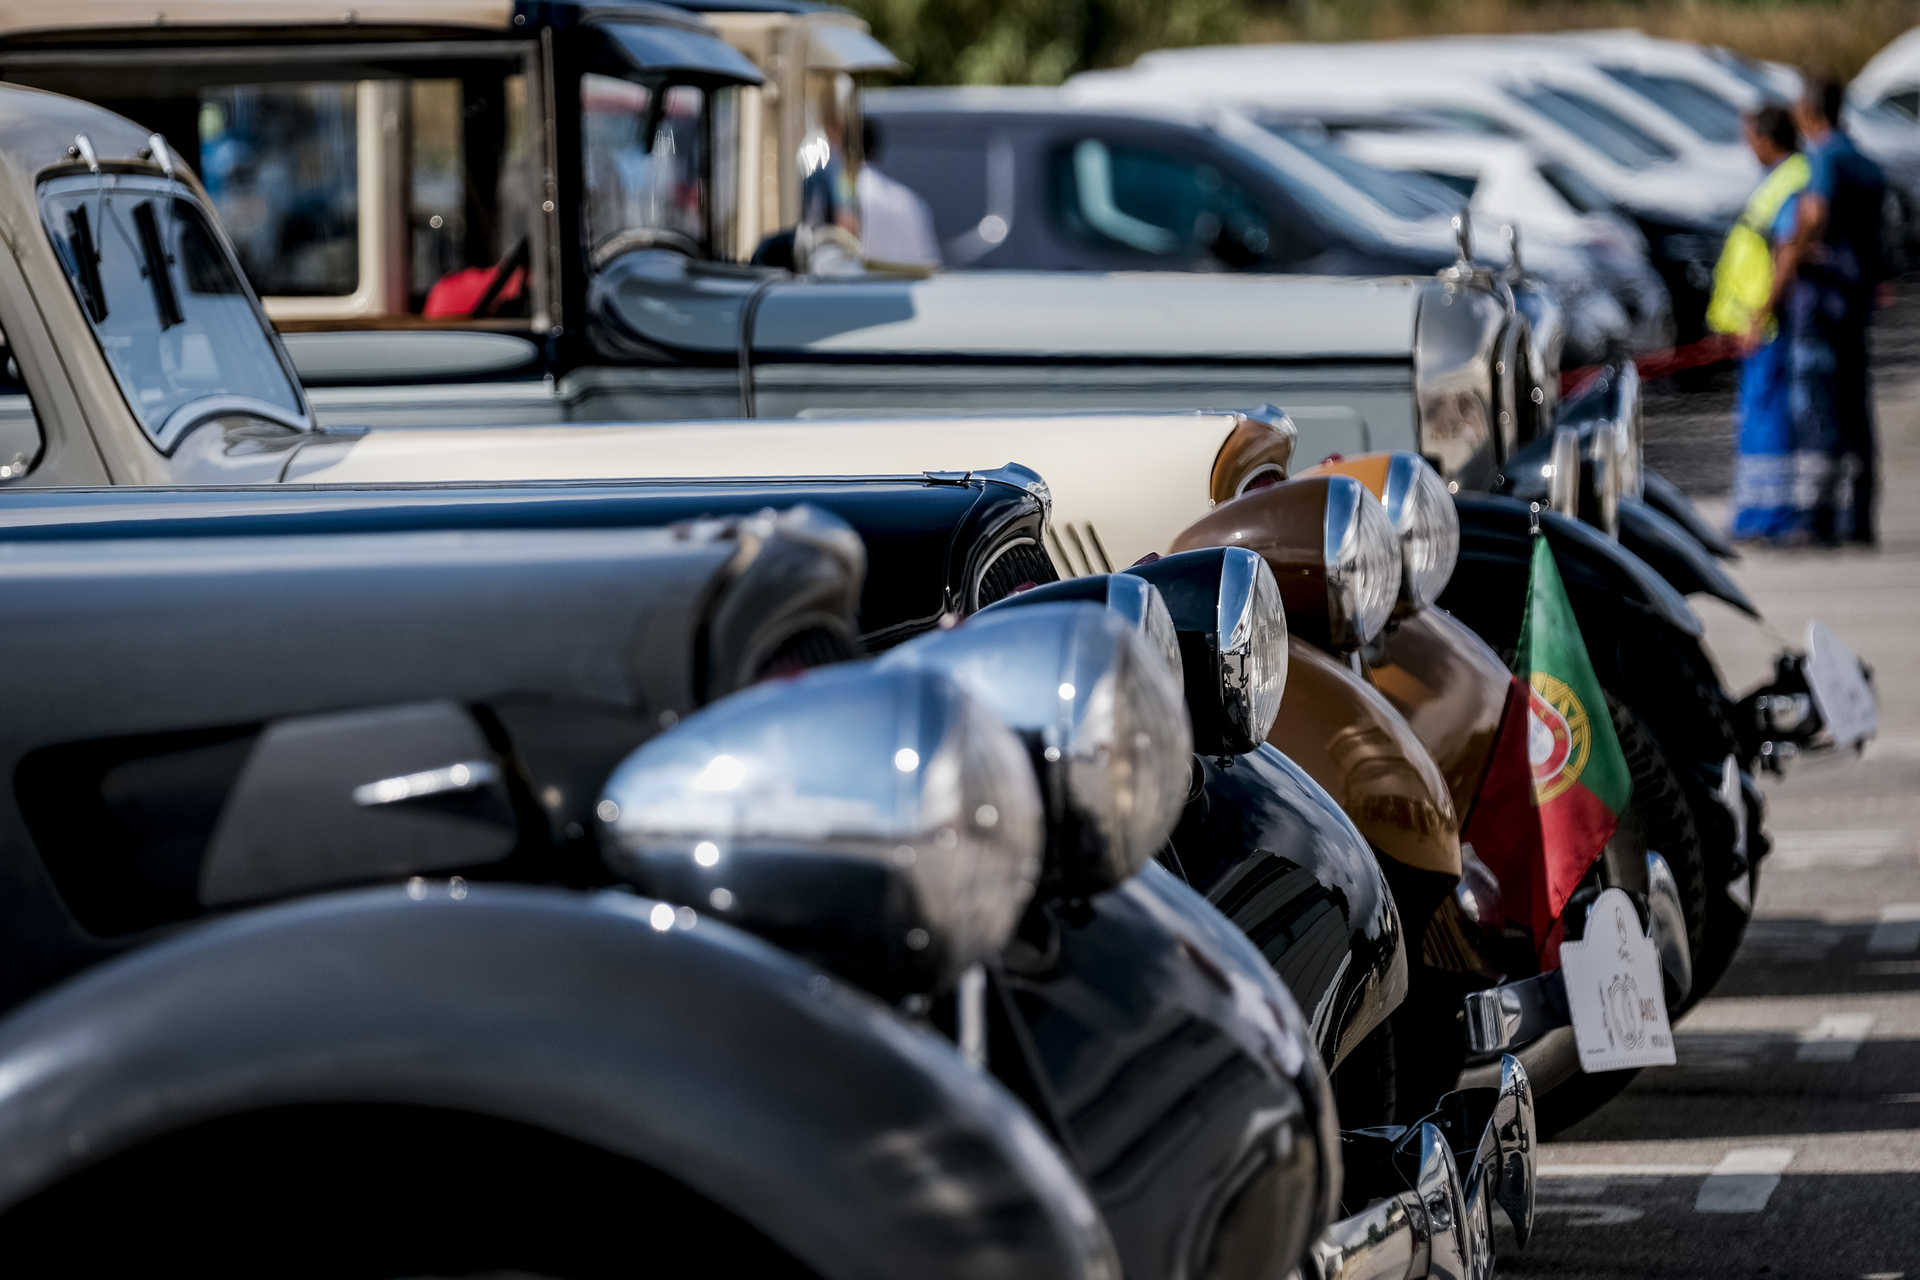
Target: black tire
pixel 1666 817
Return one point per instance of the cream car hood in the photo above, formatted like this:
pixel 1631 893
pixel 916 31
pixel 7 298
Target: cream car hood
pixel 1122 484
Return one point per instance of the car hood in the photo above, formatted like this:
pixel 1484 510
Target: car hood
pixel 1122 485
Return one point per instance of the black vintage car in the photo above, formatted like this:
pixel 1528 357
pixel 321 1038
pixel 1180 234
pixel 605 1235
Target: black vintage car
pixel 1282 860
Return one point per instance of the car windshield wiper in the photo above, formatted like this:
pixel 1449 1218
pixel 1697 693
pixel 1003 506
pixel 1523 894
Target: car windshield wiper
pixel 153 260
pixel 86 264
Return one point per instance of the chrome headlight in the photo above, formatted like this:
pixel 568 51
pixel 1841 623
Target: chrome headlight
pixel 1422 513
pixel 883 821
pixel 1363 564
pixel 1131 599
pixel 1600 475
pixel 1225 604
pixel 1561 471
pixel 1102 717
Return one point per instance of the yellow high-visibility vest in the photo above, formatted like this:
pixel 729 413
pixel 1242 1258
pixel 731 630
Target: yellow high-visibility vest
pixel 1743 278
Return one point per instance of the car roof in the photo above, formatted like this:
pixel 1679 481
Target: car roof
pixel 521 17
pixel 1032 101
pixel 37 128
pixel 1448 143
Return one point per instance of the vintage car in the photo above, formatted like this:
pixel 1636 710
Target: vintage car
pixel 560 254
pixel 467 782
pixel 1472 950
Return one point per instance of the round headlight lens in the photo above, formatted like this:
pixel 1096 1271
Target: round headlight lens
pixel 1423 514
pixel 1105 721
pixel 1362 563
pixel 902 855
pixel 1253 642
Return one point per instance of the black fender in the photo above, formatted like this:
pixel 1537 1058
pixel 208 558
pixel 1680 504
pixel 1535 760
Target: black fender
pixel 1645 642
pixel 1496 545
pixel 1676 555
pixel 1664 496
pixel 1181 1077
pixel 858 1143
pixel 1275 855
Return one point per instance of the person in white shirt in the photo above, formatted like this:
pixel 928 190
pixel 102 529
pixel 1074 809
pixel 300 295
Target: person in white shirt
pixel 896 225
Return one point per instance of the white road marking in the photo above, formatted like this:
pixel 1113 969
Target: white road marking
pixel 1622 1170
pixel 1898 930
pixel 1835 1038
pixel 1743 1181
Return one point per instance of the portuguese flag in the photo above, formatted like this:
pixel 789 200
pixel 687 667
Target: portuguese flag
pixel 1558 781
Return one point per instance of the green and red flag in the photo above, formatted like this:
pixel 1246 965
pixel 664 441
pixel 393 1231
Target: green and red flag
pixel 1558 781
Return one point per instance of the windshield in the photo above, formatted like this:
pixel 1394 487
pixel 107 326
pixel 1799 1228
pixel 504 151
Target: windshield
pixel 1388 191
pixel 165 301
pixel 1710 116
pixel 651 165
pixel 1599 127
pixel 1574 188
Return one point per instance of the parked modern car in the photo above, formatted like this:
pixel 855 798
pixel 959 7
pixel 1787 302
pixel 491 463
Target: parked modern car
pixel 1682 217
pixel 1557 213
pixel 1117 187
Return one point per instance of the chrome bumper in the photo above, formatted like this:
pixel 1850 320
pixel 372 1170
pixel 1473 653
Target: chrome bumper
pixel 1778 722
pixel 1428 1220
pixel 1513 1015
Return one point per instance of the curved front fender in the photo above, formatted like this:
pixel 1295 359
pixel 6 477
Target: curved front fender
pixel 1496 552
pixel 1350 740
pixel 1676 555
pixel 1273 853
pixel 863 1146
pixel 1664 496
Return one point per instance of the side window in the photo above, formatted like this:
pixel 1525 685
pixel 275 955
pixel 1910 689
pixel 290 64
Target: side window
pixel 1906 102
pixel 20 437
pixel 281 163
pixel 1132 199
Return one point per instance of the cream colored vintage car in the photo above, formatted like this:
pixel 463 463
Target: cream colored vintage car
pixel 142 357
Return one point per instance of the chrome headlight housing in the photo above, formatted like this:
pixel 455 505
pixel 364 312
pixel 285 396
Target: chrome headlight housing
pixel 1422 513
pixel 1362 563
pixel 1101 715
pixel 883 821
pixel 1225 604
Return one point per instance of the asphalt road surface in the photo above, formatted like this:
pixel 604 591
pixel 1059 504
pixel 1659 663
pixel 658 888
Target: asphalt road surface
pixel 1786 1142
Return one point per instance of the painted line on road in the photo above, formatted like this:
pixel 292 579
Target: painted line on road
pixel 1835 1038
pixel 1897 931
pixel 1835 848
pixel 1622 1170
pixel 1743 1181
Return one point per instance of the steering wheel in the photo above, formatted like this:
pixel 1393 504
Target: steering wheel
pixel 516 259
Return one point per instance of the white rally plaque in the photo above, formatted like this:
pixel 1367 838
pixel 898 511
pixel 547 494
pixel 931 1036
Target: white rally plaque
pixel 1614 989
pixel 1842 694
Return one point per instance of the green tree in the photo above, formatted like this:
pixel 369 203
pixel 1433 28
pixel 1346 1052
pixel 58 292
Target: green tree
pixel 1038 41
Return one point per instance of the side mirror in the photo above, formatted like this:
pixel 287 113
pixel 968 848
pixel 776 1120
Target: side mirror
pixel 1100 713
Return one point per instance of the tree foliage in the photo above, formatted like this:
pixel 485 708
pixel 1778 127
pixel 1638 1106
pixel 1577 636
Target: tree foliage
pixel 1038 41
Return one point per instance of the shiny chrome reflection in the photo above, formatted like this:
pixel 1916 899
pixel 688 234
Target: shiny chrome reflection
pixel 1251 624
pixel 883 816
pixel 1363 562
pixel 1669 928
pixel 1563 472
pixel 1428 524
pixel 1103 719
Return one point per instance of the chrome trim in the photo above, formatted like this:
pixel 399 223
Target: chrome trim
pixel 1353 516
pixel 1252 630
pixel 1021 478
pixel 1669 917
pixel 1381 1242
pixel 1513 1015
pixel 970 1015
pixel 450 779
pixel 1265 469
pixel 999 554
pixel 1563 472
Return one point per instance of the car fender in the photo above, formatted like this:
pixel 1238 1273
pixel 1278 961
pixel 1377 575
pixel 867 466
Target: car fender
pixel 1273 853
pixel 859 1144
pixel 1496 554
pixel 1664 496
pixel 1350 740
pixel 1676 555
